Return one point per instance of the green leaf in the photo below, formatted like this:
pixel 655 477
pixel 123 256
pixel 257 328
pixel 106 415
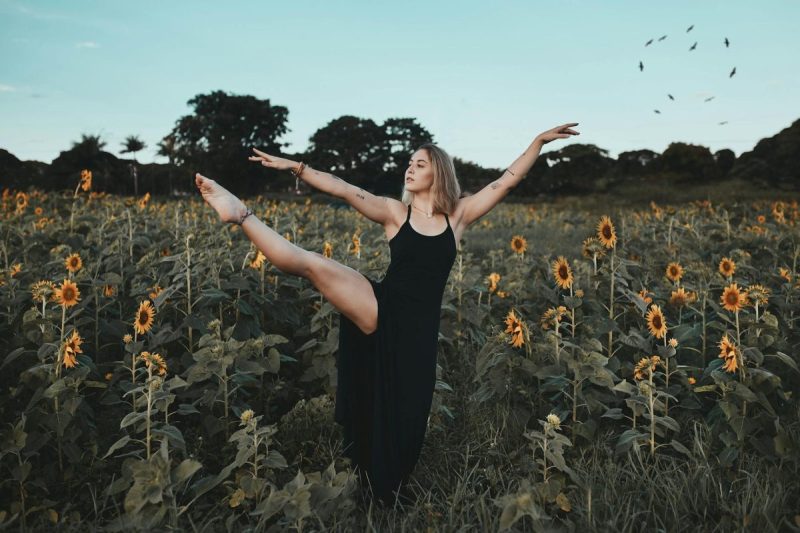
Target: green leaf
pixel 117 445
pixel 680 448
pixel 785 359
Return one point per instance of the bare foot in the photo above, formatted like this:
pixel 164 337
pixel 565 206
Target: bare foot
pixel 228 207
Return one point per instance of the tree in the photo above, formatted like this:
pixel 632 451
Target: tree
pixel 687 162
pixel 166 148
pixel 87 153
pixel 367 154
pixel 218 138
pixel 577 168
pixel 133 144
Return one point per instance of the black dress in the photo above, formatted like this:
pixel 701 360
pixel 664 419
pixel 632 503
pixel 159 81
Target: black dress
pixel 386 379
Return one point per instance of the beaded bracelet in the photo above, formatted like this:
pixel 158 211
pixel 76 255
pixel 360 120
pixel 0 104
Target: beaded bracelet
pixel 299 170
pixel 247 213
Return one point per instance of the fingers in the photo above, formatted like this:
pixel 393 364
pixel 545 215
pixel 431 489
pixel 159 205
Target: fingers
pixel 259 152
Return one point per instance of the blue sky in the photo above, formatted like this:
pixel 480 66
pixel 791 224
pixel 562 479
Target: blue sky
pixel 485 77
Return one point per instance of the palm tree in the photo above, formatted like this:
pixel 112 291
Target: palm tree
pixel 132 145
pixel 166 148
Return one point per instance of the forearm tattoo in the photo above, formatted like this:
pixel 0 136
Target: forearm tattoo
pixel 360 195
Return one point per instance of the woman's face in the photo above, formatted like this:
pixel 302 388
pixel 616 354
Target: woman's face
pixel 419 174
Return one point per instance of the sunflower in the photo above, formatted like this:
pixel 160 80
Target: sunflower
pixel 327 249
pixel 143 200
pixel 72 346
pixel 641 366
pixel 38 211
pixel 156 291
pixel 154 361
pixel 562 272
pixel 73 262
pixel 15 269
pixel 109 290
pixel 729 352
pixel 761 219
pixel 74 342
pixel 727 267
pixel 758 293
pixel 691 380
pixel 785 274
pixel 69 360
pixel 673 342
pixel 144 317
pixel 674 271
pixel 732 298
pixel 258 260
pixel 552 316
pixel 42 289
pixel 656 322
pixel 643 294
pixel 493 278
pixel 68 294
pixel 127 339
pixel 646 365
pixel 246 416
pixel 519 244
pixel 606 233
pixel 86 179
pixel 592 247
pixel 356 248
pixel 680 297
pixel 516 327
pixel 553 422
pixel 579 293
pixel 22 201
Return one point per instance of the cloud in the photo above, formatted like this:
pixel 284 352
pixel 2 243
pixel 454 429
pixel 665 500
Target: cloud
pixel 7 88
pixel 87 44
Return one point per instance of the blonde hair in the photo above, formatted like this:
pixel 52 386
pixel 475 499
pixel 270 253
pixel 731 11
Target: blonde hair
pixel 445 188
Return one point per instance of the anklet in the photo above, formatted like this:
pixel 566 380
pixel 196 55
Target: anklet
pixel 248 213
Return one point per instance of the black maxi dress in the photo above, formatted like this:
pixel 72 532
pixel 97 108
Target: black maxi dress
pixel 386 379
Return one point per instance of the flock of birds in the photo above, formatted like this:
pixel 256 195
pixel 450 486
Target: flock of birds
pixel 727 44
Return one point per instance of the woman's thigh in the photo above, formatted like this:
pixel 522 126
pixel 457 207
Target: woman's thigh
pixel 347 289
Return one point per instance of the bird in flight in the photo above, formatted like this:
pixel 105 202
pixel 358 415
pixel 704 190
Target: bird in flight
pixel 689 28
pixel 662 37
pixel 727 42
pixel 732 72
pixel 657 111
pixel 648 43
pixel 641 66
pixel 723 122
pixel 670 96
pixel 709 99
pixel 693 46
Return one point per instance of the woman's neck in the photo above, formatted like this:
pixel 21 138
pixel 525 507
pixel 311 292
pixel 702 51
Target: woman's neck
pixel 423 202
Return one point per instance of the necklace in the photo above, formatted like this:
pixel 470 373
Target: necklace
pixel 429 215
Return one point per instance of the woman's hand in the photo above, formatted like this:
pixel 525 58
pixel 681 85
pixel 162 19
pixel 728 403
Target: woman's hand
pixel 272 161
pixel 559 132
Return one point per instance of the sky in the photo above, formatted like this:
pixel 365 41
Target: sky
pixel 484 77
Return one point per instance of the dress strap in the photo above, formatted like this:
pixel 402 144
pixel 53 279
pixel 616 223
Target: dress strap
pixel 446 219
pixel 409 213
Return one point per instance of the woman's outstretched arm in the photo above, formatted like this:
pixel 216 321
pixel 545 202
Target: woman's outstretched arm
pixel 375 208
pixel 480 203
pixel 323 181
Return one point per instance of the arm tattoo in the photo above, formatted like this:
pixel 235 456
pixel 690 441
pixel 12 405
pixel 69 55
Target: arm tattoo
pixel 494 185
pixel 360 195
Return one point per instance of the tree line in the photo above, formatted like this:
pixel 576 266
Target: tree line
pixel 217 137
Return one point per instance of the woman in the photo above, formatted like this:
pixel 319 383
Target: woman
pixel 388 329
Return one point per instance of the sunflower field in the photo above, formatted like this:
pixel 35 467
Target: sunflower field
pixel 618 370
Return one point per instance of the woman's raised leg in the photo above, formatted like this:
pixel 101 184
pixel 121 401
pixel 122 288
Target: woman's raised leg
pixel 344 287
